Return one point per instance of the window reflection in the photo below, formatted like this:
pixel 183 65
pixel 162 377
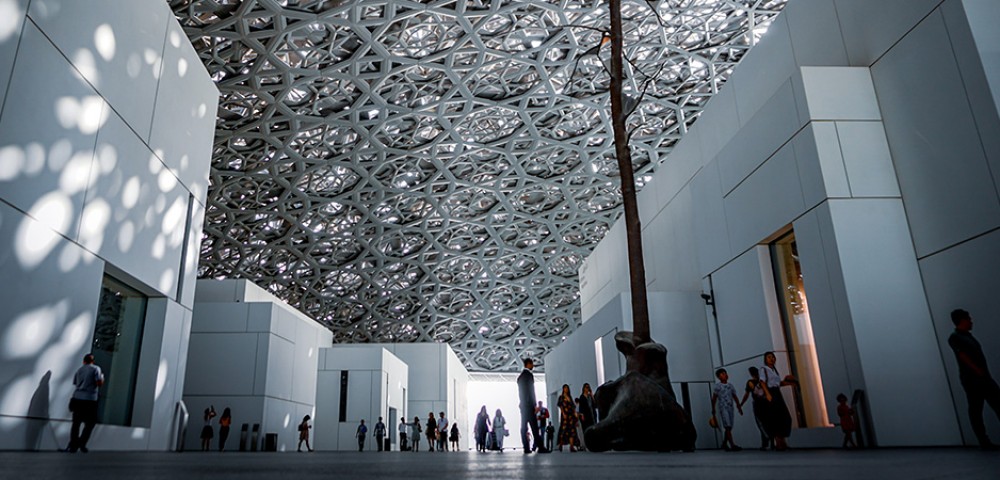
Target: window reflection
pixel 117 337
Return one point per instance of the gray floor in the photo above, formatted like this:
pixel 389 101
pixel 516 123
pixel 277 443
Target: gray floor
pixel 915 464
pixel 910 464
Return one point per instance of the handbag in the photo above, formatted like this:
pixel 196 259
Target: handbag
pixel 712 422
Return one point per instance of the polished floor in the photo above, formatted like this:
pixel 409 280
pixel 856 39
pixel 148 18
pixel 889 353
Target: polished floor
pixel 890 464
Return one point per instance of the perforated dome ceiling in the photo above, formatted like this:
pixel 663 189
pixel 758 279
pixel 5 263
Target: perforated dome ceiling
pixel 437 171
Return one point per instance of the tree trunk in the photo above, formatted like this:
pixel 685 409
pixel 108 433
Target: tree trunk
pixel 633 228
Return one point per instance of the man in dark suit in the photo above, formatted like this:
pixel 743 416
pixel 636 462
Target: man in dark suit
pixel 526 392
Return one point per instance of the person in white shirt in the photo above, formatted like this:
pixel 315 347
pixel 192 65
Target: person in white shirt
pixel 87 380
pixel 442 438
pixel 402 435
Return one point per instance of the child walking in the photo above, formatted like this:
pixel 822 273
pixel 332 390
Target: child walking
pixel 304 432
pixel 724 396
pixel 847 424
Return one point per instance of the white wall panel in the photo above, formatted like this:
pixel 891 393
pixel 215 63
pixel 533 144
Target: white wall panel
pixel 710 225
pixel 835 93
pixel 773 125
pixel 183 131
pixel 815 33
pixel 118 55
pixel 220 317
pixel 10 33
pixel 867 159
pixel 767 201
pixel 947 186
pixel 47 133
pixel 965 277
pixel 280 367
pixel 820 163
pixel 135 211
pixel 717 124
pixel 745 327
pixel 894 331
pixel 871 28
pixel 221 364
pixel 763 71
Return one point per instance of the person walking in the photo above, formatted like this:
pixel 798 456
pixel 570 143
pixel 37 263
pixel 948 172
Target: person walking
pixel 777 420
pixel 723 400
pixel 526 395
pixel 225 421
pixel 758 394
pixel 403 446
pixel 442 433
pixel 362 434
pixel 588 409
pixel 453 436
pixel 847 423
pixel 379 434
pixel 415 432
pixel 499 430
pixel 974 375
pixel 88 380
pixel 567 420
pixel 431 431
pixel 542 416
pixel 207 432
pixel 481 429
pixel 304 432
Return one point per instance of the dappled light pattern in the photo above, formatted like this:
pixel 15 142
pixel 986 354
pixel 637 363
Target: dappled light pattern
pixel 437 171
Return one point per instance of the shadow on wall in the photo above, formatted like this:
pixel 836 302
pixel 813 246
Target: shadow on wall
pixel 38 413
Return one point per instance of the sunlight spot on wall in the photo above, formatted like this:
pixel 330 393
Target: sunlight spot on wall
pixel 84 61
pixel 126 236
pixel 15 402
pixel 76 174
pixel 166 180
pixel 96 216
pixel 175 39
pixel 10 19
pixel 130 193
pixel 104 40
pixel 29 332
pixel 12 161
pixel 133 66
pixel 182 67
pixel 34 239
pixel 185 162
pixel 173 220
pixel 155 165
pixel 69 258
pixel 161 378
pixel 167 280
pixel 107 158
pixel 159 247
pixel 139 433
pixel 288 419
pixel 202 110
pixel 87 114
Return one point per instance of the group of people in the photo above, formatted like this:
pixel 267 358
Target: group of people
pixel 439 432
pixel 379 432
pixel 489 434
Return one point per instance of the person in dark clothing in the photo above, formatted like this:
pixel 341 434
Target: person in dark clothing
pixel 431 431
pixel 974 374
pixel 87 382
pixel 588 408
pixel 379 434
pixel 529 423
pixel 362 433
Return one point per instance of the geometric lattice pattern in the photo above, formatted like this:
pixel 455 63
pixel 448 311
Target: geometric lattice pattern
pixel 436 171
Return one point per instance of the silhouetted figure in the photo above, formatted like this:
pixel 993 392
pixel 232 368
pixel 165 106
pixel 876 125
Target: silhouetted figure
pixel 847 423
pixel 499 430
pixel 974 373
pixel 379 434
pixel 362 434
pixel 529 423
pixel 482 429
pixel 723 400
pixel 442 433
pixel 87 380
pixel 403 445
pixel 568 419
pixel 431 431
pixel 587 408
pixel 777 420
pixel 453 436
pixel 757 393
pixel 542 416
pixel 304 432
pixel 225 421
pixel 207 432
pixel 415 431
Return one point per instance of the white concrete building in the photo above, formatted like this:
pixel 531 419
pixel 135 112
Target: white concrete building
pixel 255 354
pixel 105 143
pixel 837 199
pixel 358 382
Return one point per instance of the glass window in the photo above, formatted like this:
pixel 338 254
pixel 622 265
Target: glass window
pixel 117 337
pixel 810 404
